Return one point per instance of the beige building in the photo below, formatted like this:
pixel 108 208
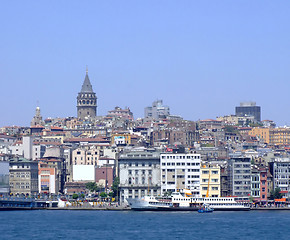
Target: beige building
pixel 87 155
pixel 23 176
pixel 210 180
pixel 279 136
pixel 229 119
pixel 261 133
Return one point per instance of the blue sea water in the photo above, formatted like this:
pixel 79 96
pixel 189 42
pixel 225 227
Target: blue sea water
pixel 63 224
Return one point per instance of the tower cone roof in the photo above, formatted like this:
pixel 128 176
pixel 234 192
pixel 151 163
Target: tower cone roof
pixel 87 86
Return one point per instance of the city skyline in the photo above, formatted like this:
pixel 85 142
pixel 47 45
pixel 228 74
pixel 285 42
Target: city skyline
pixel 201 59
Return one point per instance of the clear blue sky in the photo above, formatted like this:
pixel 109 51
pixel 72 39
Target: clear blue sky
pixel 201 57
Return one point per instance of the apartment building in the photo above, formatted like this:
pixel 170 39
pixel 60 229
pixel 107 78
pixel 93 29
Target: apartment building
pixel 23 176
pixel 210 180
pixel 239 170
pixel 180 171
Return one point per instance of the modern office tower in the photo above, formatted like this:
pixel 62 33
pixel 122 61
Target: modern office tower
pixel 249 109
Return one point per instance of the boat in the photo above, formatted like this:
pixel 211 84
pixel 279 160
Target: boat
pixel 205 209
pixel 18 203
pixel 183 201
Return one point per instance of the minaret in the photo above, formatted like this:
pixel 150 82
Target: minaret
pixel 86 100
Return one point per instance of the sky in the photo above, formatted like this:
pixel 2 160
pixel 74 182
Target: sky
pixel 202 58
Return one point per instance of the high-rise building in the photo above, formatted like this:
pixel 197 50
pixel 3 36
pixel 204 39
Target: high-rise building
pixel 157 111
pixel 86 100
pixel 249 109
pixel 239 170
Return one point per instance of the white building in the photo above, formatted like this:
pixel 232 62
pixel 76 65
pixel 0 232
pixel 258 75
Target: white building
pixel 281 170
pixel 27 149
pixel 157 111
pixel 83 173
pixel 180 171
pixel 139 173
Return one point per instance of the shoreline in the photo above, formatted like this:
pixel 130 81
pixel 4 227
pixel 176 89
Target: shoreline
pixel 129 209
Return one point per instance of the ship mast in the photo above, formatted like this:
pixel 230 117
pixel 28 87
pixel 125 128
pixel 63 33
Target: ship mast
pixel 207 192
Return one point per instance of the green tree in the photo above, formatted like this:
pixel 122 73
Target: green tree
pixel 115 187
pixel 275 194
pixel 75 196
pixel 103 195
pixel 92 187
pixel 229 128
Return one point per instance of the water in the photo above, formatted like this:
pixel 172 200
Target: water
pixel 63 224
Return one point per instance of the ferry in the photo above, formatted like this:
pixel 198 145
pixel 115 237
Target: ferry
pixel 182 201
pixel 18 203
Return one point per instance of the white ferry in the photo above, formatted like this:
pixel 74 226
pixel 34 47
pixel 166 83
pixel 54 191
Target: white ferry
pixel 182 201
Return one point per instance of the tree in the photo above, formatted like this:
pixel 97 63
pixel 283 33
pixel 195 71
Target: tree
pixel 275 194
pixel 229 129
pixel 75 196
pixel 92 187
pixel 115 187
pixel 103 195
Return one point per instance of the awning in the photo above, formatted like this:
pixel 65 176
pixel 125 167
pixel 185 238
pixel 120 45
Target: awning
pixel 280 200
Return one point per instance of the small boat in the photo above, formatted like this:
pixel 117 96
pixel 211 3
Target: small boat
pixel 205 209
